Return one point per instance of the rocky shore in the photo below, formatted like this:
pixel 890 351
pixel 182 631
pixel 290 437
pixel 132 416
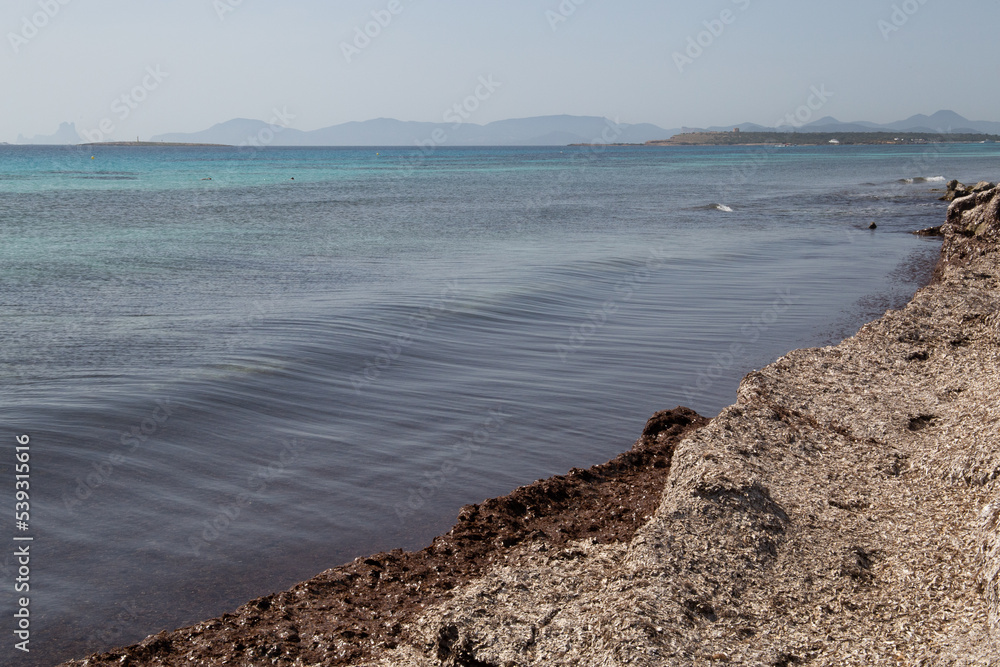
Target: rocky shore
pixel 845 511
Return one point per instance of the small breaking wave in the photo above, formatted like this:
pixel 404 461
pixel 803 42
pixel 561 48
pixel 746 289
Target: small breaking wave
pixel 714 207
pixel 105 178
pixel 922 179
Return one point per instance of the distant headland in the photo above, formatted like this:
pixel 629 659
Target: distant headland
pixel 738 138
pixel 158 144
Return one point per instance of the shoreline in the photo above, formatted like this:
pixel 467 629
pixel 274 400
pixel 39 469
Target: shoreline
pixel 666 143
pixel 549 514
pixel 710 541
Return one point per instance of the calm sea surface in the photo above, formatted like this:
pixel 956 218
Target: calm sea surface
pixel 232 384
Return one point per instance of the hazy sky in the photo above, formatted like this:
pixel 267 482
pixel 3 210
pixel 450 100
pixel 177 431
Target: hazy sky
pixel 184 65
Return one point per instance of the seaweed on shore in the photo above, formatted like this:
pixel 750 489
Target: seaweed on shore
pixel 354 611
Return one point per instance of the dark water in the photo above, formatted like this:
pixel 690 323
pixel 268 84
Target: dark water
pixel 231 385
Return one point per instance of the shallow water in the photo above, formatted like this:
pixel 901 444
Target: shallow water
pixel 233 384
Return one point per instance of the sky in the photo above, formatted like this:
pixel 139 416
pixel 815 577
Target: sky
pixel 137 68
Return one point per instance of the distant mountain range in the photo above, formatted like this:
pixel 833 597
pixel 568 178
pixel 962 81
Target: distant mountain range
pixel 537 131
pixel 942 122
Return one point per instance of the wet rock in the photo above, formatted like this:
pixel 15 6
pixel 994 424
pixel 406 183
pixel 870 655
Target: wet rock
pixel 930 231
pixel 955 190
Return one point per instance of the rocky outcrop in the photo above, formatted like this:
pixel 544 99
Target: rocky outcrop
pixel 957 190
pixel 844 511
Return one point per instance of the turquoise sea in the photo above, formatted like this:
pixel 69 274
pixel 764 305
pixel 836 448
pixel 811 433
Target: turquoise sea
pixel 239 367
